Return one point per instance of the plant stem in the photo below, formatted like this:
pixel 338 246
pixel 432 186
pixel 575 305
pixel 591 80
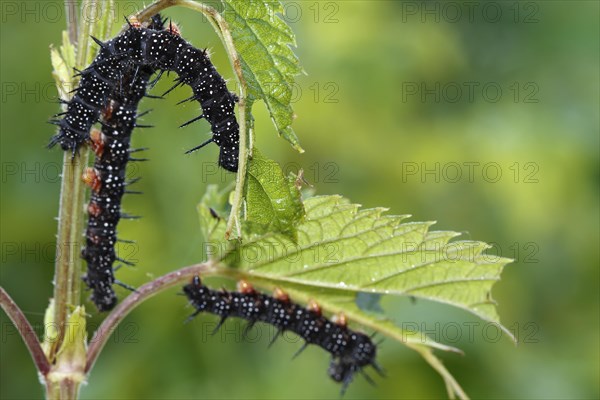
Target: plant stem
pixel 66 389
pixel 67 282
pixel 26 331
pixel 68 264
pixel 146 291
pixel 104 30
pixel 71 15
pixel 85 30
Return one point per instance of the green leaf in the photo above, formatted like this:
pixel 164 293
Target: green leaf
pixel 269 65
pixel 342 247
pixel 273 201
pixel 73 347
pixel 71 357
pixel 343 251
pixel 51 332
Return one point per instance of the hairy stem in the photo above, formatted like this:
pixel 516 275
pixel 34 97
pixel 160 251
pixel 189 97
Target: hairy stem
pixel 104 29
pixel 67 282
pixel 67 267
pixel 71 15
pixel 65 262
pixel 136 298
pixel 224 33
pixel 66 389
pixel 26 331
pixel 85 30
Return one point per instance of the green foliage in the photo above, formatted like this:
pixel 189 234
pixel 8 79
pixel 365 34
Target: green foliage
pixel 273 201
pixel 326 248
pixel 342 250
pixel 345 249
pixel 269 65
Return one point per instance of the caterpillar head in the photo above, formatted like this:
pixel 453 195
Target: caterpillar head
pixel 363 351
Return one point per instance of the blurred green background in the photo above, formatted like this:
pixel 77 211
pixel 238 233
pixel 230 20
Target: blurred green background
pixel 387 118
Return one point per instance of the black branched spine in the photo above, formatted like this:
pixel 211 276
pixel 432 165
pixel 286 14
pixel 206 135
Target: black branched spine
pixel 350 351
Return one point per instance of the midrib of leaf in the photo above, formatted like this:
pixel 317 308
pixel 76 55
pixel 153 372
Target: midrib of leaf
pixel 319 267
pixel 283 281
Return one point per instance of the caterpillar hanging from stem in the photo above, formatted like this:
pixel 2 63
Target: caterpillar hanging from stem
pixel 109 92
pixel 162 50
pixel 351 351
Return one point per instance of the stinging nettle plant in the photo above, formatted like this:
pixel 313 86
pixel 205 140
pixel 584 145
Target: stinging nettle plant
pixel 321 250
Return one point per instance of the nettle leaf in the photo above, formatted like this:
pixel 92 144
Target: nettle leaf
pixel 342 247
pixel 343 251
pixel 263 40
pixel 273 201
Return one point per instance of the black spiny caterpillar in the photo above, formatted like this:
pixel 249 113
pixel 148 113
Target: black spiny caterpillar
pixel 350 351
pixel 108 180
pixel 162 50
pixel 109 93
